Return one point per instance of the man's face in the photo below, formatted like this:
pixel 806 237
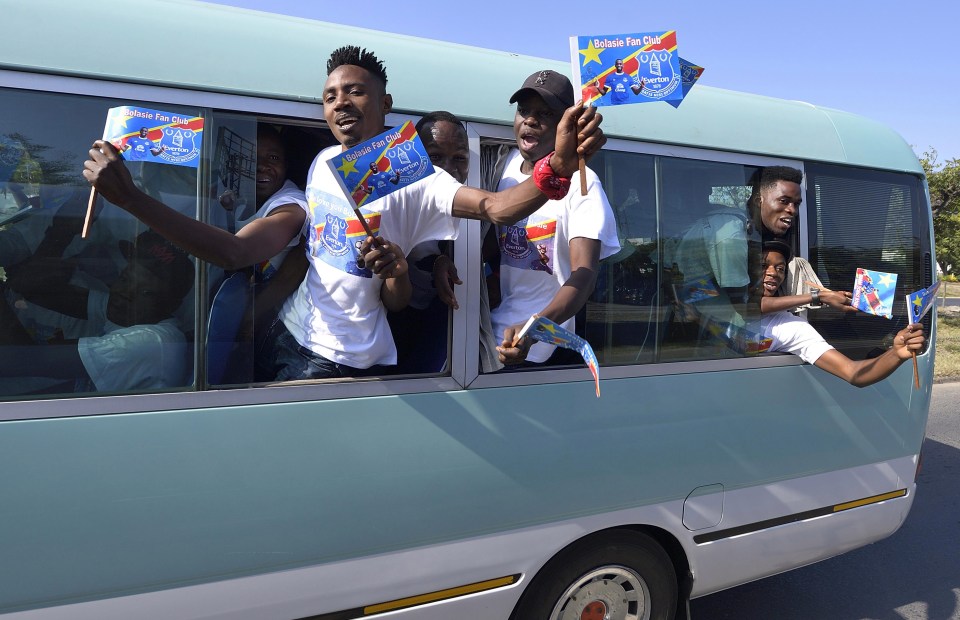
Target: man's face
pixel 780 206
pixel 447 146
pixel 618 65
pixel 138 297
pixel 271 166
pixel 535 126
pixel 774 271
pixel 374 168
pixel 143 132
pixel 354 104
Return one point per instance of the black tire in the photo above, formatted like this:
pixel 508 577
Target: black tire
pixel 627 571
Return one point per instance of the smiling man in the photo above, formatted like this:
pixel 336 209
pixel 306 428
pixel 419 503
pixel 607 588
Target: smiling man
pixel 335 324
pixel 792 334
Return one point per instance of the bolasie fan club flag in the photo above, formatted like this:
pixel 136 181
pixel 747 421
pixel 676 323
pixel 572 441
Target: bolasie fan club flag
pixel 919 302
pixel 617 69
pixel 873 292
pixel 545 330
pixel 381 165
pixel 146 135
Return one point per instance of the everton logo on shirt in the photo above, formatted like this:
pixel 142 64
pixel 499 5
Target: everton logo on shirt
pixel 528 245
pixel 334 235
pixel 513 242
pixel 335 232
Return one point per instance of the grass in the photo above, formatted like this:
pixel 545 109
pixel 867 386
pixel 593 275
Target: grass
pixel 947 363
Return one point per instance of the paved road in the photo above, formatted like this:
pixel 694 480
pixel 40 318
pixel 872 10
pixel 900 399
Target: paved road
pixel 913 575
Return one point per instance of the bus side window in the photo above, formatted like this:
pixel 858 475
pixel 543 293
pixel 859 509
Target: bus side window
pixel 94 315
pixel 708 240
pixel 625 316
pixel 258 166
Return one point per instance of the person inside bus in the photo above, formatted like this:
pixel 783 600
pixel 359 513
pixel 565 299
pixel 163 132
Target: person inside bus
pixel 277 277
pixel 131 341
pixel 775 202
pixel 420 329
pixel 794 335
pixel 549 260
pixel 335 324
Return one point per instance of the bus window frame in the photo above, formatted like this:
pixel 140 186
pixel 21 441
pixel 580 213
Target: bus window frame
pixel 551 375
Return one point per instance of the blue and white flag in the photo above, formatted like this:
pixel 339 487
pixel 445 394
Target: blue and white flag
pixel 873 292
pixel 919 302
pixel 545 330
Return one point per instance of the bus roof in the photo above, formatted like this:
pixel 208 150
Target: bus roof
pixel 196 45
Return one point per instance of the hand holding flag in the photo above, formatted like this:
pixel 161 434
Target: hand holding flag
pixel 145 135
pixel 918 304
pixel 544 330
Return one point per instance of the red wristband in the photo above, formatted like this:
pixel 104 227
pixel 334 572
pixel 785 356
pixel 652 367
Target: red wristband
pixel 553 186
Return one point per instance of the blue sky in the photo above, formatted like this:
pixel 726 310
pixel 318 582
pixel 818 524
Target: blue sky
pixel 886 60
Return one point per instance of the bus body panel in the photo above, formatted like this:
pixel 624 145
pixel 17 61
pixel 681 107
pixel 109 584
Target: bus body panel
pixel 122 503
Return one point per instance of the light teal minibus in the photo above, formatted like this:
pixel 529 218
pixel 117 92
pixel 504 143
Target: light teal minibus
pixel 447 492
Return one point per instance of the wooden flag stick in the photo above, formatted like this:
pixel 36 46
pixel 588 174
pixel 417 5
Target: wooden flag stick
pixel 916 373
pixel 88 219
pixel 583 174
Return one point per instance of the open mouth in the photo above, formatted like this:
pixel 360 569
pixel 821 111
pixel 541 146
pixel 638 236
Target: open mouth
pixel 346 123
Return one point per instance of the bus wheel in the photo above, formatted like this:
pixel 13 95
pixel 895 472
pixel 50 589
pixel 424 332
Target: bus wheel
pixel 615 575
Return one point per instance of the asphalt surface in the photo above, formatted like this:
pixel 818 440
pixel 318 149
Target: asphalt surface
pixel 913 575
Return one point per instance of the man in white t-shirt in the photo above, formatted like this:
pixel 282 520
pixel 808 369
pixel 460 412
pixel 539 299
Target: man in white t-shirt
pixel 794 335
pixel 549 260
pixel 335 325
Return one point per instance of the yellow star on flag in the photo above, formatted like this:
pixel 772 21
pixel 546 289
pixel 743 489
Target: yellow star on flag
pixel 591 54
pixel 917 302
pixel 346 167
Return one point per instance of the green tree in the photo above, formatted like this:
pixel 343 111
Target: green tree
pixel 944 181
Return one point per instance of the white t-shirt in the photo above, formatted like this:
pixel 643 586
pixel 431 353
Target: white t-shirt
pixel 288 194
pixel 336 312
pixel 793 335
pixel 139 357
pixel 535 252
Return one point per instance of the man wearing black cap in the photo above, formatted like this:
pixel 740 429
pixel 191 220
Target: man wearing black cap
pixel 549 260
pixel 792 334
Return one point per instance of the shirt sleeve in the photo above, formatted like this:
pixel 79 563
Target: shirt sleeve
pixel 591 216
pixel 796 336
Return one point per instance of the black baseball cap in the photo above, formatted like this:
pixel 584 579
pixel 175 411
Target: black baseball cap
pixel 555 88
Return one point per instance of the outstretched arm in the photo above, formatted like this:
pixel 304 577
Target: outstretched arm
pixel 584 264
pixel 838 300
pixel 862 373
pixel 255 242
pixel 578 134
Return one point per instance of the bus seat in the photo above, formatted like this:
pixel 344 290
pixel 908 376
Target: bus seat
pixel 226 315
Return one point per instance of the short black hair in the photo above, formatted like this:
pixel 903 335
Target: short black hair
pixel 436 117
pixel 353 55
pixel 432 118
pixel 768 176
